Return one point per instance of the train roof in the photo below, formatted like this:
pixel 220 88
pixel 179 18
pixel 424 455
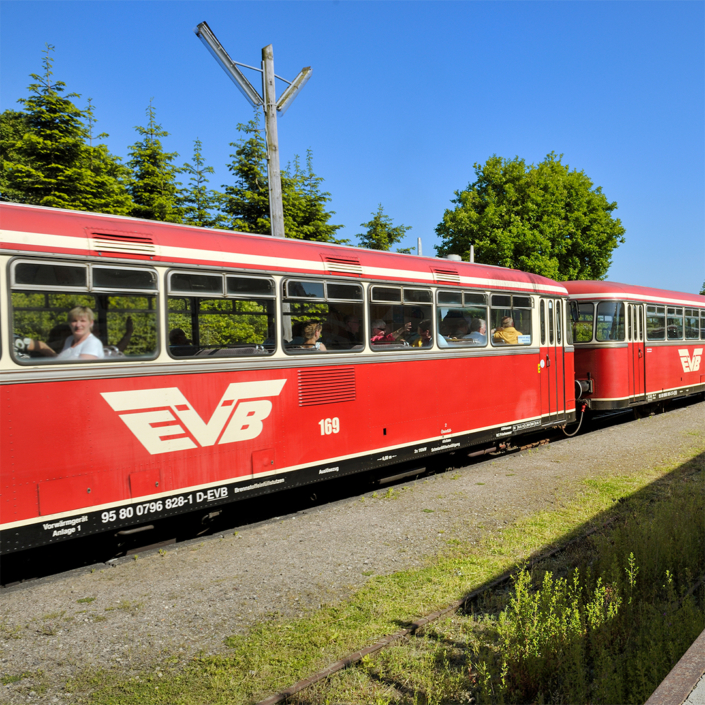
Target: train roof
pixel 36 229
pixel 614 290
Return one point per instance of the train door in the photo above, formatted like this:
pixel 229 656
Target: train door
pixel 635 320
pixel 552 360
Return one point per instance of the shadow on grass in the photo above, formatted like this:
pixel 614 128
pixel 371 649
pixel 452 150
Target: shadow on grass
pixel 601 614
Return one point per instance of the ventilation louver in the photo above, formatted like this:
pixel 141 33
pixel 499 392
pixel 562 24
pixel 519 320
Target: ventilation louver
pixel 342 265
pixel 123 243
pixel 327 386
pixel 447 276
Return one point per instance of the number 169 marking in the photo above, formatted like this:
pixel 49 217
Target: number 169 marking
pixel 329 426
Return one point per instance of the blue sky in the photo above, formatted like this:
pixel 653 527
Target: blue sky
pixel 406 96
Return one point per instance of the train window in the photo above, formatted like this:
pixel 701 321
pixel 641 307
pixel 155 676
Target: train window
pixel 543 322
pixel 501 301
pixel 417 296
pixel 692 331
pixel 462 326
pixel 510 325
pixel 452 298
pixel 400 326
pixel 609 325
pixel 56 276
pixel 326 317
pixel 583 321
pixel 249 286
pixel 238 323
pixel 702 325
pixel 655 323
pixel 386 293
pixel 193 283
pixel 559 326
pixel 304 290
pixel 470 299
pixel 674 323
pixel 133 279
pixel 550 321
pixel 58 317
pixel 344 292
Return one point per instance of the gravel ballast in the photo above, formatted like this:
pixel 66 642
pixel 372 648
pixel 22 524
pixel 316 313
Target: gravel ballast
pixel 188 598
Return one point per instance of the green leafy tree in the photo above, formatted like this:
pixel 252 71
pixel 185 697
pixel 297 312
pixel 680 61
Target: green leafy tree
pixel 702 290
pixel 381 233
pixel 246 202
pixel 541 218
pixel 45 158
pixel 198 204
pixel 153 184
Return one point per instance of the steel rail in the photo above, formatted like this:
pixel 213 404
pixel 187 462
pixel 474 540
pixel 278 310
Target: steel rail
pixel 415 628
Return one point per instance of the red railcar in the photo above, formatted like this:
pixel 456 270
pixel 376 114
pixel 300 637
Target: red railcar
pixel 636 345
pixel 220 365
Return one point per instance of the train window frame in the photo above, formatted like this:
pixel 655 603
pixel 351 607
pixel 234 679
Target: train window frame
pixel 377 287
pixel 575 323
pixel 675 314
pixel 460 299
pixel 111 352
pixel 51 287
pixel 140 290
pixel 273 287
pixel 358 312
pixel 497 302
pixel 542 321
pixel 702 324
pixel 624 313
pixel 208 295
pixel 659 312
pixel 691 314
pixel 424 300
pixel 197 351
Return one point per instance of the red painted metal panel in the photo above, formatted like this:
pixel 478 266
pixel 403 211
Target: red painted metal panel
pixel 65 494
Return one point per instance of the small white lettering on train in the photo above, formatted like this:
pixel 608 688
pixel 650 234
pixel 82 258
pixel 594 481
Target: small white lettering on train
pixel 212 495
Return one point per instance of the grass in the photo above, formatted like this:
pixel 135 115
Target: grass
pixel 277 653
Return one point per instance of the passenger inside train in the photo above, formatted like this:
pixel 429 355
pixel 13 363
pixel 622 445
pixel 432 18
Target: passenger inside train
pixel 507 334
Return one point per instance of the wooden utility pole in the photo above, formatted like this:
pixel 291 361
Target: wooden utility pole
pixel 268 100
pixel 276 209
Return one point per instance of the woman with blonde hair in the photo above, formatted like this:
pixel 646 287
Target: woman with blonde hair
pixel 80 345
pixel 311 334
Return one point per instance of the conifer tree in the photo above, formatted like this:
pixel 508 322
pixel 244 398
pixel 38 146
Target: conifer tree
pixel 381 234
pixel 45 158
pixel 199 204
pixel 305 216
pixel 13 125
pixel 246 203
pixel 153 185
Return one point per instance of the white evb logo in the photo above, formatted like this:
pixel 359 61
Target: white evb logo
pixel 690 364
pixel 238 416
